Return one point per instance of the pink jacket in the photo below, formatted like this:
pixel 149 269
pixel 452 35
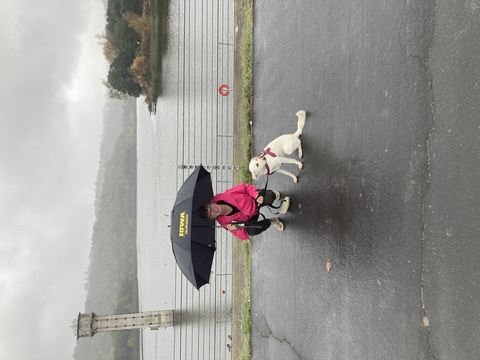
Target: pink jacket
pixel 241 196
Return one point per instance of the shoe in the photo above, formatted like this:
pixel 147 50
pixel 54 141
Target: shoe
pixel 277 195
pixel 277 223
pixel 285 205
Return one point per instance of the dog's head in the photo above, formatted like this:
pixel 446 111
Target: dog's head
pixel 257 167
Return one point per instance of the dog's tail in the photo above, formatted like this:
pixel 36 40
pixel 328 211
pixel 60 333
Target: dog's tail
pixel 301 122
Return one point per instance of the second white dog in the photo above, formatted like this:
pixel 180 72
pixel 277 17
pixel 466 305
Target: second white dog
pixel 275 154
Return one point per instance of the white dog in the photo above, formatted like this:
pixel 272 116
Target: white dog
pixel 273 156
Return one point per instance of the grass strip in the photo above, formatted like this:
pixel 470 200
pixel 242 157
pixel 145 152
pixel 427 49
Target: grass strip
pixel 246 53
pixel 246 113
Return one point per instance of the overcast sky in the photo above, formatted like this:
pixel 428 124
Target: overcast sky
pixel 51 105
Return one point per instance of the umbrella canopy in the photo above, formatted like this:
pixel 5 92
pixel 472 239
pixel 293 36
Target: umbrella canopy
pixel 193 238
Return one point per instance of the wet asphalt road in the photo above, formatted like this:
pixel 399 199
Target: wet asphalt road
pixel 389 192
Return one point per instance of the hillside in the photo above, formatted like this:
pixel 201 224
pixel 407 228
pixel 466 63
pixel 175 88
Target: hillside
pixel 111 280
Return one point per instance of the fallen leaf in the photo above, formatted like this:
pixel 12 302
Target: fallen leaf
pixel 328 265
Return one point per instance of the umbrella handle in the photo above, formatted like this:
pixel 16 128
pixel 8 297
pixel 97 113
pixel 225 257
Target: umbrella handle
pixel 245 224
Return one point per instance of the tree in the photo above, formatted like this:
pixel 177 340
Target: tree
pixel 114 93
pixel 125 38
pixel 141 24
pixel 110 51
pixel 119 76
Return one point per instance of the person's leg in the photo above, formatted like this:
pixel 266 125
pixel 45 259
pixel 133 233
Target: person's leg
pixel 257 227
pixel 269 197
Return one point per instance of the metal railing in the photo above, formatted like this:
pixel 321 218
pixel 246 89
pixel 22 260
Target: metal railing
pixel 205 50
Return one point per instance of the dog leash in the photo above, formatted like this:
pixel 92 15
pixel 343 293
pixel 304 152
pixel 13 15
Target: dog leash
pixel 266 152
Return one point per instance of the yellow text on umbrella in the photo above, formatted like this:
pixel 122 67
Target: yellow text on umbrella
pixel 183 227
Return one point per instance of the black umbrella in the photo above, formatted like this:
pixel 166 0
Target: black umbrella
pixel 193 238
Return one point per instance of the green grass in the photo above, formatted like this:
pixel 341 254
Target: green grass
pixel 245 325
pixel 246 52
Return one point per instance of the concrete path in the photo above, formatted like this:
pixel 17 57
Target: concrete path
pixel 389 193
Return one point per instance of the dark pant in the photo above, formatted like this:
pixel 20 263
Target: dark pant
pixel 268 197
pixel 255 227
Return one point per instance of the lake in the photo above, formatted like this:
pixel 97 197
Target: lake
pixel 193 124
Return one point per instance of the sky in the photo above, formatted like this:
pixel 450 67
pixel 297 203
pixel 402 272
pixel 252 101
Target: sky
pixel 51 105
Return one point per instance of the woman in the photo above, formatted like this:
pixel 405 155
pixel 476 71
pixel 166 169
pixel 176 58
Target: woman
pixel 241 204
